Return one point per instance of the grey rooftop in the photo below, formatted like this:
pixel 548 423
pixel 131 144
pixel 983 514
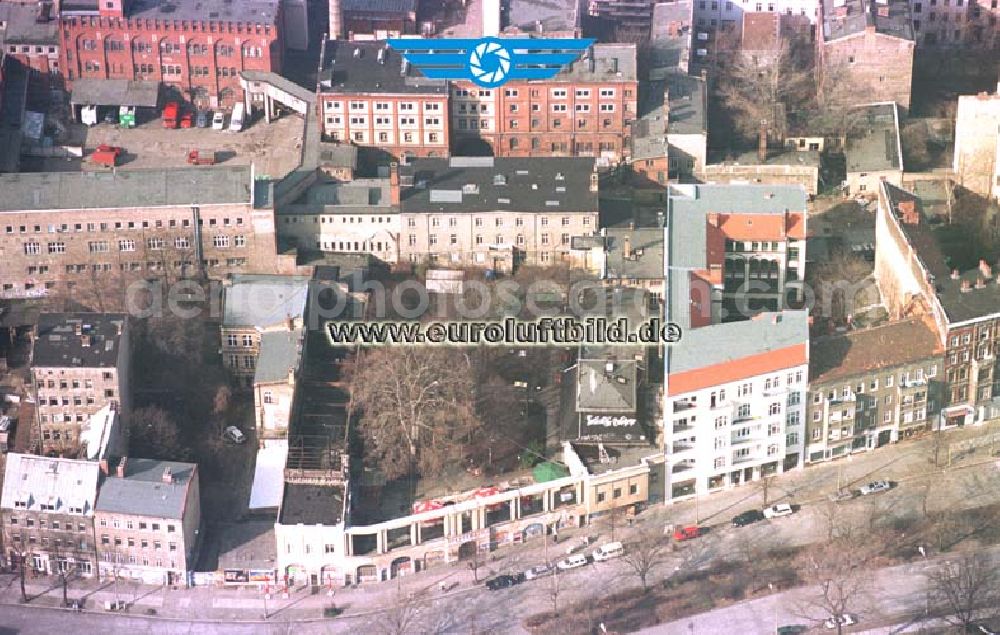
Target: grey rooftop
pixel 733 341
pixel 143 492
pixel 355 68
pixel 261 300
pixel 97 346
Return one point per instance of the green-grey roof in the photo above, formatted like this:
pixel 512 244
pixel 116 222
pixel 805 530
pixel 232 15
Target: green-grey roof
pixel 203 185
pixel 260 300
pixel 606 385
pixel 279 352
pixel 142 491
pixel 876 147
pixel 859 14
pixel 688 107
pixel 733 341
pixel 646 260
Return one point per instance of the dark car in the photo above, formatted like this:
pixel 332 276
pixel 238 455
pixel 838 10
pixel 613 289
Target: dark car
pixel 793 629
pixel 504 581
pixel 748 517
pixel 202 119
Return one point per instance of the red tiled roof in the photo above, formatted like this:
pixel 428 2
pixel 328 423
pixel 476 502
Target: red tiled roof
pixel 737 369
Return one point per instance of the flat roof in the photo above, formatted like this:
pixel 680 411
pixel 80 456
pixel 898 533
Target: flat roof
pixel 649 132
pixel 269 475
pixel 263 300
pixel 23 26
pixel 602 63
pixel 958 305
pixel 58 346
pixel 552 15
pixel 115 92
pixel 876 146
pixel 280 352
pixel 157 187
pixel 312 504
pixel 354 68
pixel 733 341
pixel 645 261
pixel 263 12
pixel 688 114
pixel 891 18
pixel 482 184
pixel 838 356
pixel 379 6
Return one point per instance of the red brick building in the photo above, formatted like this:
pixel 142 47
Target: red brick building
pixel 586 110
pixel 29 34
pixel 198 47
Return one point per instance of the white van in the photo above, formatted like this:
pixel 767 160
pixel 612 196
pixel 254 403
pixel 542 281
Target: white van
pixel 236 121
pixel 88 115
pixel 608 551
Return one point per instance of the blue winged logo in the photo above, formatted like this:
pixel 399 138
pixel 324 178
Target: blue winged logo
pixel 490 62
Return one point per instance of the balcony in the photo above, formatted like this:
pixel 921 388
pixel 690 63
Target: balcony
pixel 680 447
pixel 683 406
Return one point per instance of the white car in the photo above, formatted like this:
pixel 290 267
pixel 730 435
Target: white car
pixel 875 487
pixel 777 511
pixel 844 620
pixel 572 562
pixel 234 434
pixel 219 121
pixel 539 571
pixel 609 551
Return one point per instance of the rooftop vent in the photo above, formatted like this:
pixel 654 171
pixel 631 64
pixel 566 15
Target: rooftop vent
pixel 954 274
pixel 357 52
pixel 499 179
pixel 560 176
pixel 966 286
pixel 381 56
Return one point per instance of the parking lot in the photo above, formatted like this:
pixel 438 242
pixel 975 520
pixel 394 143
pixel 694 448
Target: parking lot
pixel 273 148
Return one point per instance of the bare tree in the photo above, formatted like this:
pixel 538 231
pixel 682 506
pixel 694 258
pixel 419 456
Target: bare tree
pixel 404 614
pixel 415 407
pixel 764 487
pixel 154 433
pixel 838 571
pixel 648 551
pixel 965 588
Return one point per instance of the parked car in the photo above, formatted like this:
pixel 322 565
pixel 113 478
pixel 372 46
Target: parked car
pixel 875 487
pixel 234 434
pixel 110 118
pixel 504 581
pixel 842 495
pixel 88 115
pixel 539 571
pixel 202 118
pixel 844 620
pixel 978 629
pixel 201 157
pixel 609 551
pixel 572 562
pixel 106 155
pixel 779 510
pixel 187 119
pixel 748 517
pixel 219 121
pixel 170 113
pixel 687 533
pixel 793 629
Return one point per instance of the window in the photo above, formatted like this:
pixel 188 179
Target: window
pixel 155 243
pixel 220 241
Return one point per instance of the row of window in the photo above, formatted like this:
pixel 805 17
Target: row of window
pixel 479 257
pixel 478 239
pixel 55 542
pixel 111 556
pixel 557 93
pixel 76 399
pixel 132 542
pixel 384 137
pixel 55 525
pixel 383 106
pixel 141 525
pixel 32 248
pixel 93 227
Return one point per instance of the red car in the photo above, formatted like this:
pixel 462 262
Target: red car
pixel 687 533
pixel 187 120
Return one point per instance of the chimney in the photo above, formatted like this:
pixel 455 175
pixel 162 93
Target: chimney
pixel 954 274
pixel 627 248
pixel 713 219
pixel 291 376
pixel 78 328
pixel 394 183
pixel 908 212
pixel 85 341
pixel 762 141
pixel 966 286
pixel 120 471
pixel 593 180
pixel 631 225
pixel 666 110
pixel 168 476
pixel 984 268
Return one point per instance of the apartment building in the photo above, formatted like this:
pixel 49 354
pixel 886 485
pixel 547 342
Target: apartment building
pixel 977 144
pixel 29 33
pixel 874 153
pixel 253 305
pixel 872 387
pixel 729 14
pixel 914 278
pixel 360 20
pixel 971 25
pixel 623 257
pixel 344 218
pixel 89 233
pixel 867 46
pixel 370 96
pixel 147 521
pixel 279 367
pixel 198 48
pixel 495 213
pixel 81 363
pixel 747 247
pixel 47 514
pixel 586 110
pixel 735 402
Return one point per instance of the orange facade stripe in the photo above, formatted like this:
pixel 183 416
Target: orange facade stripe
pixel 737 369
